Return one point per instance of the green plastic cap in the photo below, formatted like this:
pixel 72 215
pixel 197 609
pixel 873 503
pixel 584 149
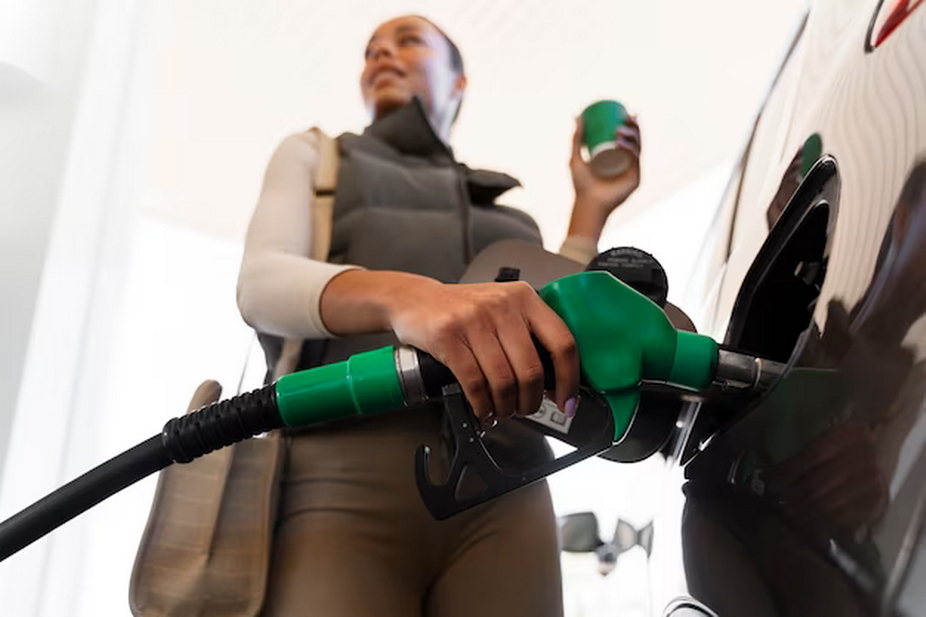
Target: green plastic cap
pixel 366 383
pixel 695 361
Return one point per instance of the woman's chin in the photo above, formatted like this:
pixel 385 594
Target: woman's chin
pixel 388 102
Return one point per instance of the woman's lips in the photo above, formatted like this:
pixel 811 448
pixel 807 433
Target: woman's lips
pixel 385 74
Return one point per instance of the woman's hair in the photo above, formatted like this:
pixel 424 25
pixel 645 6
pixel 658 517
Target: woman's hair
pixel 456 58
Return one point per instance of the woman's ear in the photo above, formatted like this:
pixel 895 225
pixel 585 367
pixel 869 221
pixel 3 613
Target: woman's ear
pixel 459 88
pixel 460 84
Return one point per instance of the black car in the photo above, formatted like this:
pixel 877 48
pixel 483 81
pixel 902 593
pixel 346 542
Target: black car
pixel 812 499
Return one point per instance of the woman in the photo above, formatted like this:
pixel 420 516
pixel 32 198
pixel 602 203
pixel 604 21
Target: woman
pixel 353 536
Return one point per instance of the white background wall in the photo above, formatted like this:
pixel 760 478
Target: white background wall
pixel 43 52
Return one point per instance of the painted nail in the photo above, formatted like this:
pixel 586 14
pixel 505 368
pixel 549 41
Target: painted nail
pixel 570 408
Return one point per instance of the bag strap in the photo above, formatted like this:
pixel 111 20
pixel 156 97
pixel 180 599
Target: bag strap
pixel 326 178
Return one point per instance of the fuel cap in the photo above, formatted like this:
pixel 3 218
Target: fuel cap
pixel 638 269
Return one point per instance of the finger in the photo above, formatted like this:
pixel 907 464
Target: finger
pixel 497 370
pixel 629 137
pixel 560 344
pixel 462 363
pixel 206 393
pixel 577 140
pixel 628 134
pixel 525 362
pixel 630 146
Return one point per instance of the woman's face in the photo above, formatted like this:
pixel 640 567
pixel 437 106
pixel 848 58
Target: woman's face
pixel 405 57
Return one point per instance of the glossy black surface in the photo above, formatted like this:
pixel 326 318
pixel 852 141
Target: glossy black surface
pixel 811 500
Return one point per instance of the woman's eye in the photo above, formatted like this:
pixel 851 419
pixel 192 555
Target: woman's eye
pixel 410 39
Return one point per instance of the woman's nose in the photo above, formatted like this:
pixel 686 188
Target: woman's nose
pixel 382 48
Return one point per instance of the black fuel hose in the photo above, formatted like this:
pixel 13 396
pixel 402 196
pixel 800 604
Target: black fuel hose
pixel 182 440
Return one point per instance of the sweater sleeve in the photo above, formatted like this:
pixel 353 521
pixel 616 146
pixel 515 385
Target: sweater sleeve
pixel 579 249
pixel 279 286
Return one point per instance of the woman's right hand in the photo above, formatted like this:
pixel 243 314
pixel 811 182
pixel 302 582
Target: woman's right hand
pixel 481 332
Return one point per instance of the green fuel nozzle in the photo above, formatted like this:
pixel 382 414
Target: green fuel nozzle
pixel 623 340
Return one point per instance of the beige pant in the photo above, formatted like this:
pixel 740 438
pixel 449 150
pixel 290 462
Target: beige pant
pixel 355 540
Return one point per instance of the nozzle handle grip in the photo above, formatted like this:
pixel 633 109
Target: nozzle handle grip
pixel 435 376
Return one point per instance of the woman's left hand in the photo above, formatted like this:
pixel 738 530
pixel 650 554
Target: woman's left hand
pixel 596 196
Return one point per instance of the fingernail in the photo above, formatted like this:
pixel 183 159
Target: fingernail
pixel 571 404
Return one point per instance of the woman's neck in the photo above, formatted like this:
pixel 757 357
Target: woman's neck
pixel 440 123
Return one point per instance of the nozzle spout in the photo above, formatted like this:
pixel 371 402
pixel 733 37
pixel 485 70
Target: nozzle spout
pixel 745 372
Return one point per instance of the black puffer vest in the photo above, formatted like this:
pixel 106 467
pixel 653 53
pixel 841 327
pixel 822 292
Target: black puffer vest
pixel 403 203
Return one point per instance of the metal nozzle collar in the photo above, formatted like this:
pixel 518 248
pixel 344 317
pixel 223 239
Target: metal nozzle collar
pixel 409 372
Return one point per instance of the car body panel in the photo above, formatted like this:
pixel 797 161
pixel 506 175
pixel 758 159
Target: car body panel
pixel 811 499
